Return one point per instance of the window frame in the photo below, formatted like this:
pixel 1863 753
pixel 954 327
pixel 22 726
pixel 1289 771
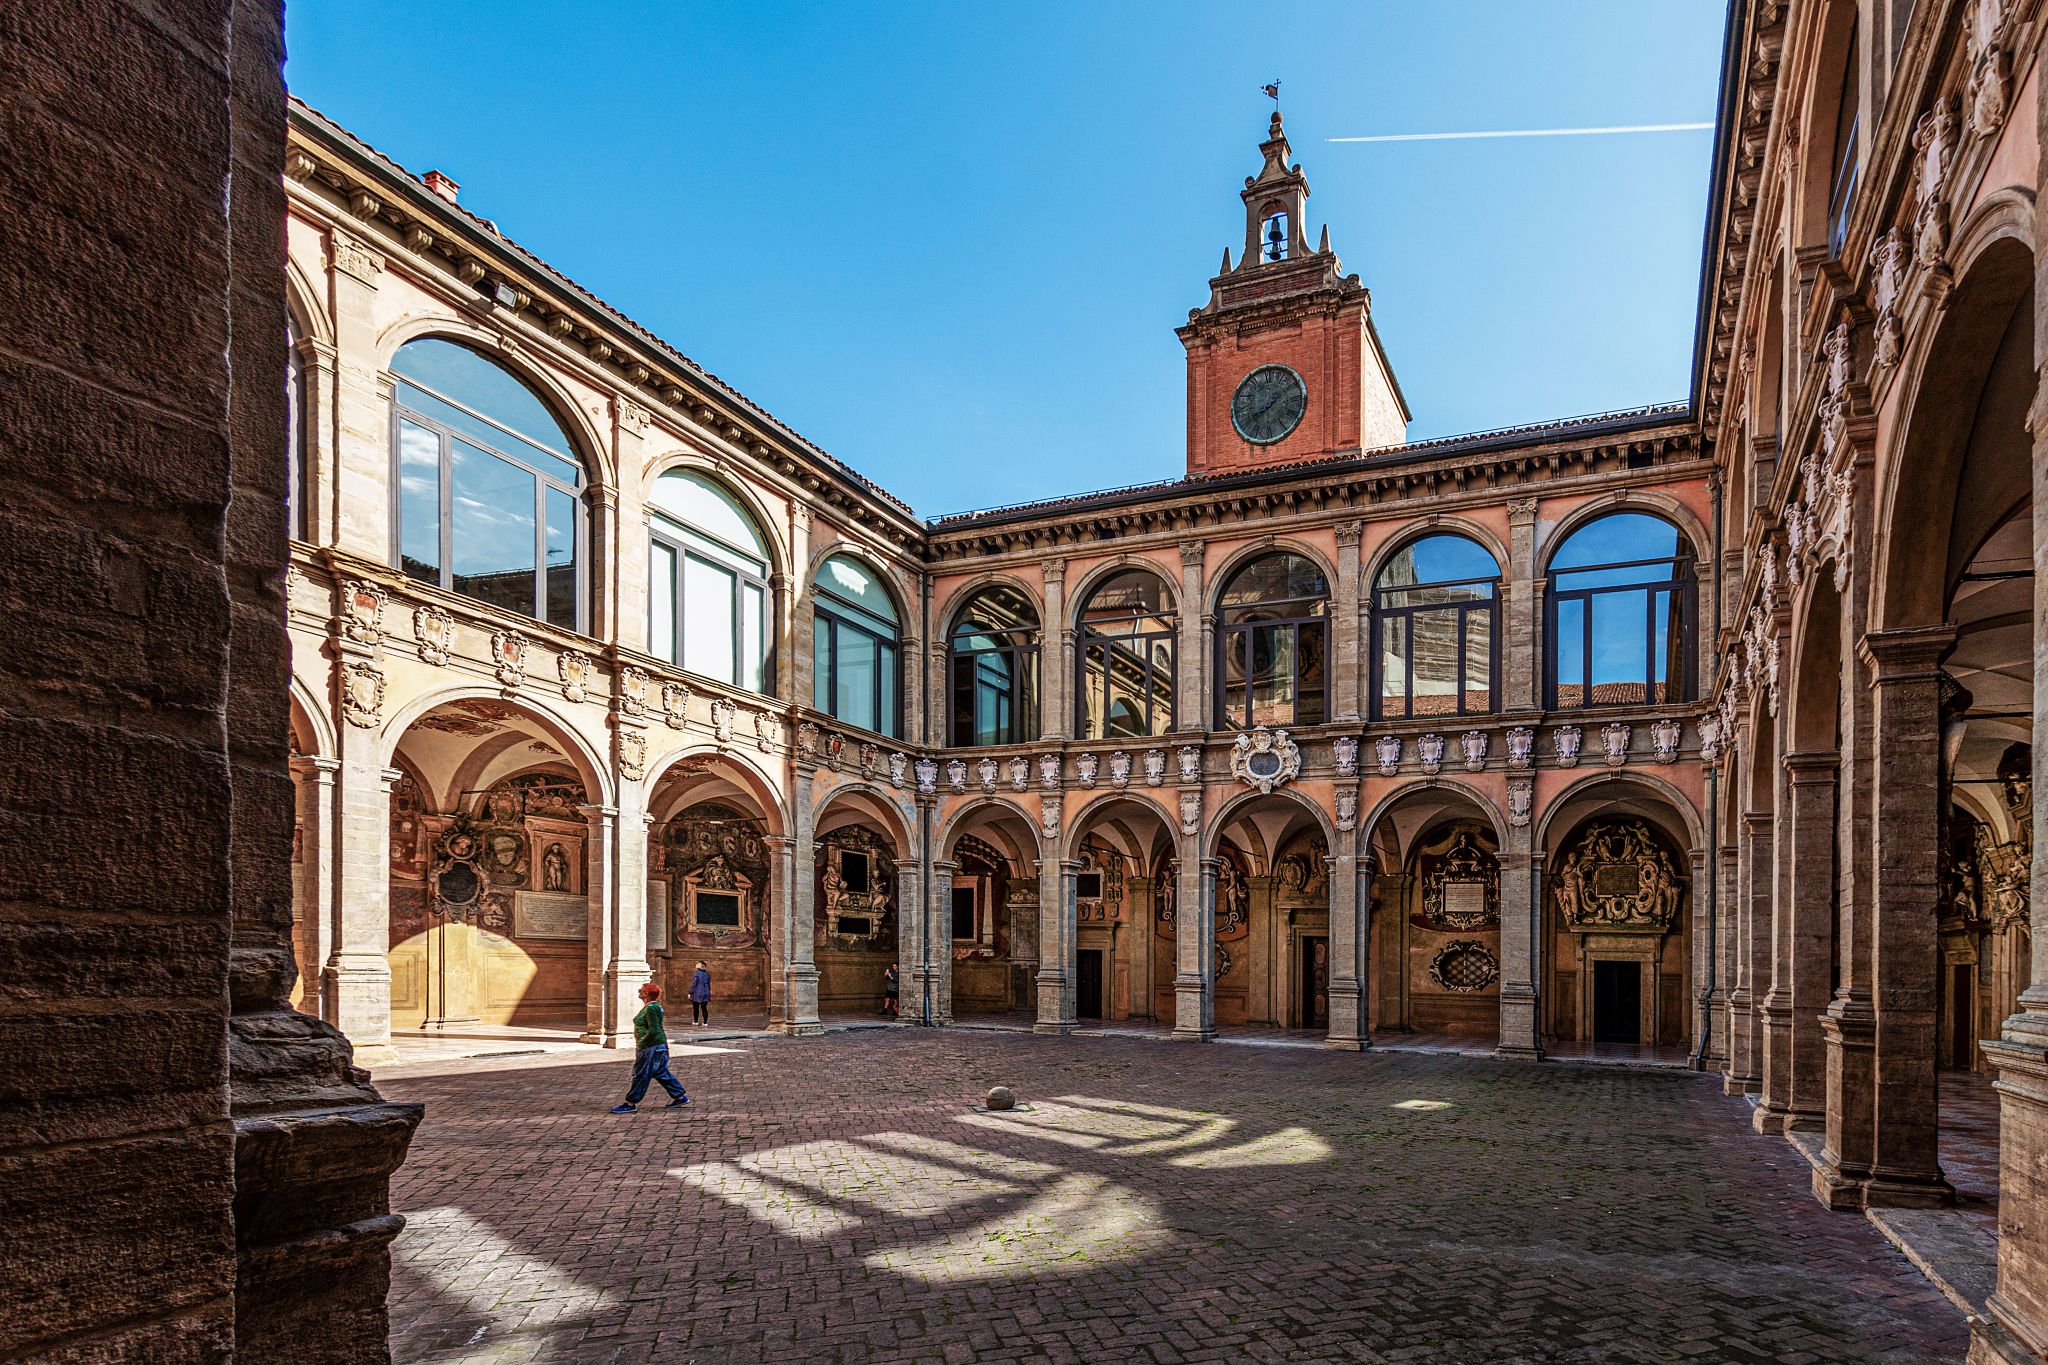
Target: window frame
pixel 1226 628
pixel 742 580
pixel 544 481
pixel 1087 639
pixel 1682 585
pixel 830 614
pixel 1024 658
pixel 1381 613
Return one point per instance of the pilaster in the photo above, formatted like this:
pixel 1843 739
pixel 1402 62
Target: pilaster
pixel 1350 932
pixel 315 782
pixel 1058 931
pixel 1349 625
pixel 1194 942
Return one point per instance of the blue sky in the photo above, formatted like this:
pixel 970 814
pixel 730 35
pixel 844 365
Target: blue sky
pixel 950 242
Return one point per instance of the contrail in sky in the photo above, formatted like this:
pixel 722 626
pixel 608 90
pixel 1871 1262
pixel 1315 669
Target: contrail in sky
pixel 1530 132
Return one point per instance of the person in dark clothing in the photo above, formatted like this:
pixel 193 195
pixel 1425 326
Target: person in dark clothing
pixel 650 1058
pixel 700 996
pixel 889 991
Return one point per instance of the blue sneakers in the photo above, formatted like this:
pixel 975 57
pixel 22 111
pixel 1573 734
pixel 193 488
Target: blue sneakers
pixel 677 1103
pixel 625 1109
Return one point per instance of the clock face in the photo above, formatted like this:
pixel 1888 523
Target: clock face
pixel 1268 404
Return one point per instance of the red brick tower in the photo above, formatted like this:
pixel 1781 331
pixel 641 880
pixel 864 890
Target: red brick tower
pixel 1283 362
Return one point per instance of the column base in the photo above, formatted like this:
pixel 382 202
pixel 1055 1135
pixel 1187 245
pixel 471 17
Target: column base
pixel 800 1029
pixel 374 1055
pixel 1348 1044
pixel 1524 1052
pixel 1994 1342
pixel 599 1038
pixel 1838 1190
pixel 1192 1035
pixel 1732 1084
pixel 1778 1121
pixel 1055 1029
pixel 1893 1190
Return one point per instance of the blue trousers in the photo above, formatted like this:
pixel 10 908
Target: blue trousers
pixel 650 1064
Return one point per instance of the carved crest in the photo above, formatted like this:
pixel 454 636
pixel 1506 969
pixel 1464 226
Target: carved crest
pixel 1085 767
pixel 1347 809
pixel 1387 749
pixel 1987 28
pixel 573 666
pixel 807 739
pixel 1049 815
pixel 1664 739
pixel 1461 889
pixel 767 731
pixel 362 612
pixel 956 774
pixel 1344 751
pixel 870 757
pixel 1564 743
pixel 632 691
pixel 1265 759
pixel 632 754
pixel 1430 749
pixel 1191 811
pixel 1120 769
pixel 1020 773
pixel 927 775
pixel 1049 771
pixel 1464 965
pixel 899 767
pixel 509 651
pixel 985 771
pixel 362 693
pixel 1190 763
pixel 1155 767
pixel 723 713
pixel 1521 797
pixel 1521 746
pixel 1615 739
pixel 434 631
pixel 1616 876
pixel 675 704
pixel 1888 261
pixel 1474 744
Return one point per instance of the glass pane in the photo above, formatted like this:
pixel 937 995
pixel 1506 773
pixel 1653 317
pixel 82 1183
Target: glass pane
pixel 821 663
pixel 1275 578
pixel 561 569
pixel 754 638
pixel 661 601
pixel 961 686
pixel 1620 662
pixel 1478 660
pixel 704 507
pixel 483 386
pixel 1622 538
pixel 856 587
pixel 1394 667
pixel 1438 559
pixel 1570 647
pixel 859 675
pixel 1434 652
pixel 1273 675
pixel 999 613
pixel 1094 688
pixel 419 501
pixel 993 713
pixel 491 529
pixel 1663 663
pixel 886 721
pixel 1312 702
pixel 1234 685
pixel 709 630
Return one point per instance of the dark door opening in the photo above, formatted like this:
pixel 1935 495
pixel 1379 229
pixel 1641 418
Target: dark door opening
pixel 1617 1002
pixel 1315 983
pixel 1088 984
pixel 1963 1047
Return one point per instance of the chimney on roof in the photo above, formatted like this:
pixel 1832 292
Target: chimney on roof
pixel 442 185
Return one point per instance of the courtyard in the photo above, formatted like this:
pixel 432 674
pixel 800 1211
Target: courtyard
pixel 844 1199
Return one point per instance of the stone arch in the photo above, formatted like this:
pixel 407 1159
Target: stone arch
pixel 592 768
pixel 1436 524
pixel 957 822
pixel 1082 821
pixel 1813 688
pixel 1394 798
pixel 303 298
pixel 754 780
pixel 1654 502
pixel 1215 580
pixel 890 576
pixel 962 593
pixel 591 445
pixel 1097 574
pixel 318 725
pixel 1688 830
pixel 1213 827
pixel 774 529
pixel 876 803
pixel 1814 173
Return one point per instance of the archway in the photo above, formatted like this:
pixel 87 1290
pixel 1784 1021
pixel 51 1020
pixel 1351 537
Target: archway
pixel 490 895
pixel 861 904
pixel 1124 897
pixel 1272 913
pixel 714 883
pixel 1434 954
pixel 988 872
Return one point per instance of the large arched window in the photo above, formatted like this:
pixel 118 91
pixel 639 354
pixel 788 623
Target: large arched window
pixel 1272 629
pixel 707 590
pixel 295 430
pixel 1619 614
pixel 993 668
pixel 1436 628
pixel 854 646
pixel 489 490
pixel 1126 658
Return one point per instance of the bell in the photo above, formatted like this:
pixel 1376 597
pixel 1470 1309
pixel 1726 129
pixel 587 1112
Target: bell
pixel 1276 242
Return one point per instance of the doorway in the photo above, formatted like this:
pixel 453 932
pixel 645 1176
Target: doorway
pixel 1314 1010
pixel 1088 984
pixel 1617 1002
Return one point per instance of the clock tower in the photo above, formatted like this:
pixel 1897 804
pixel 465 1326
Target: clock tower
pixel 1284 363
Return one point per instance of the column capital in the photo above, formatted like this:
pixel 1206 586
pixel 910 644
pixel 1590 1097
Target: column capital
pixel 596 814
pixel 1812 765
pixel 1910 655
pixel 945 865
pixel 1349 534
pixel 1191 553
pixel 315 766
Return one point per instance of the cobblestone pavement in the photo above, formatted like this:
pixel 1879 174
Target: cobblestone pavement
pixel 841 1199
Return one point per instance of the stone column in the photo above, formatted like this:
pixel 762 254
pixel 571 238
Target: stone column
pixel 608 556
pixel 1350 935
pixel 1194 943
pixel 1752 945
pixel 1902 960
pixel 603 1021
pixel 1521 920
pixel 934 914
pixel 1193 671
pixel 1704 909
pixel 319 363
pixel 318 864
pixel 359 973
pixel 1521 638
pixel 1795 1093
pixel 1849 1026
pixel 1714 1000
pixel 1348 650
pixel 1056 662
pixel 797 960
pixel 1058 932
pixel 362 403
pixel 628 968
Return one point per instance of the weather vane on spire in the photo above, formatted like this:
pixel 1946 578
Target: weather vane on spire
pixel 1273 94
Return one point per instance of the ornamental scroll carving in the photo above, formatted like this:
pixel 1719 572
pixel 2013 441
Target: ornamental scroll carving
pixel 1461 889
pixel 1265 759
pixel 1616 876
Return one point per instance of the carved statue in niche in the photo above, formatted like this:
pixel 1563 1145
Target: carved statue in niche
pixel 855 906
pixel 504 856
pixel 717 865
pixel 1102 869
pixel 407 807
pixel 556 795
pixel 1460 886
pixel 554 869
pixel 1233 896
pixel 1302 871
pixel 1617 876
pixel 2016 784
pixel 1011 902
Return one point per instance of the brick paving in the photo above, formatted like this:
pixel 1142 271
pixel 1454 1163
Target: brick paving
pixel 840 1199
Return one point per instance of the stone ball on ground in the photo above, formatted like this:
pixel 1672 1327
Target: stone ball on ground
pixel 1001 1097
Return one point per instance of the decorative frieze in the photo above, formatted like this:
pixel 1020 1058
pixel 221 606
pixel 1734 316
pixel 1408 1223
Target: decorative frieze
pixel 357 261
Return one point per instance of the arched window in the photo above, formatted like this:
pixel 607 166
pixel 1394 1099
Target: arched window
pixel 993 669
pixel 707 591
pixel 295 431
pixel 1126 658
pixel 490 492
pixel 1436 628
pixel 854 646
pixel 1272 631
pixel 1619 614
pixel 1843 163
